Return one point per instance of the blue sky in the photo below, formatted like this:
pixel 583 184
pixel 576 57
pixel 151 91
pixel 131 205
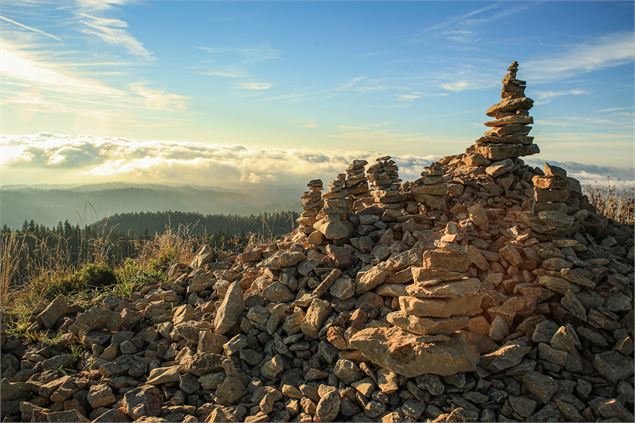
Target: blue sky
pixel 405 78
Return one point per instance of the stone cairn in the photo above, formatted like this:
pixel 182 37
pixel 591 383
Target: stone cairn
pixel 442 300
pixel 431 189
pixel 357 184
pixel 481 311
pixel 312 205
pixel 333 219
pixel 508 137
pixel 551 192
pixel 385 185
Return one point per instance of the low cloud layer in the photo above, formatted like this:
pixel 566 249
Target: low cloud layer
pixel 105 159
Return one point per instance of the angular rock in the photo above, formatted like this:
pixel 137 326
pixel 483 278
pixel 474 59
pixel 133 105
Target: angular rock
pixel 230 309
pixel 317 312
pixel 509 355
pixel 444 260
pixel 53 312
pixel 613 365
pixel 451 289
pixel 161 375
pixel 100 396
pixel 402 352
pixel 434 307
pixel 143 401
pixel 542 386
pixel 328 407
pixel 427 325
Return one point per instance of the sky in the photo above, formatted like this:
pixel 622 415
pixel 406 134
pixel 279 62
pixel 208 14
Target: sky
pixel 221 93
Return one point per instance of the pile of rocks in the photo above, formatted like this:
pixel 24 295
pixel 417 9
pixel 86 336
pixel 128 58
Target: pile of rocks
pixel 431 189
pixel 550 202
pixel 357 184
pixel 312 204
pixel 508 136
pixel 464 313
pixel 385 184
pixel 333 223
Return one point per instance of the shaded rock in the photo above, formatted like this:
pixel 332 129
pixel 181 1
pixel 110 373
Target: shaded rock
pixel 328 407
pixel 347 371
pixel 53 312
pixel 162 375
pixel 507 356
pixel 613 365
pixel 100 396
pixel 143 401
pixel 542 386
pixel 96 317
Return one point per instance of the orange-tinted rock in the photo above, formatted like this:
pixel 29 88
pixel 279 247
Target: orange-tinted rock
pixel 403 352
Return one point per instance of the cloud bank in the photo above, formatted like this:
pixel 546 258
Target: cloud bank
pixel 107 159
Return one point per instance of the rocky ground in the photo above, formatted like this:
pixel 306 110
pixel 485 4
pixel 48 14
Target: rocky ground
pixel 486 290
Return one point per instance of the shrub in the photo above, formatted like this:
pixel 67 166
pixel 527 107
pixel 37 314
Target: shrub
pixel 95 275
pixel 132 274
pixel 87 278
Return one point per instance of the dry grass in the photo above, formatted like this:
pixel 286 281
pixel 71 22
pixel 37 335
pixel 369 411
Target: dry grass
pixel 49 270
pixel 10 256
pixel 613 202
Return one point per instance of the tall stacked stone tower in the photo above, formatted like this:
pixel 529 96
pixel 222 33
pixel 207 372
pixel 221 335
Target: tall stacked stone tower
pixel 508 136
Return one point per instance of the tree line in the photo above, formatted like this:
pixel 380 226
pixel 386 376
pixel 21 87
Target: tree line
pixel 113 239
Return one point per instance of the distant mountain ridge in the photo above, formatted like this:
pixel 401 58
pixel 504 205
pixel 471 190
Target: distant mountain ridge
pixel 86 204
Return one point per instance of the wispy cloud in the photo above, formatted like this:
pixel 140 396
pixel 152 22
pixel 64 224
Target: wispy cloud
pixel 616 109
pixel 456 86
pixel 463 28
pixel 291 97
pixel 100 4
pixel 409 97
pixel 452 20
pixel 399 82
pixel 255 86
pixel 29 28
pixel 155 99
pixel 234 62
pixel 543 97
pixel 94 20
pixel 115 32
pixel 48 85
pixel 600 53
pixel 224 73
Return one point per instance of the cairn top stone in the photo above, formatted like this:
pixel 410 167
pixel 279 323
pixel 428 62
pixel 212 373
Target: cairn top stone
pixel 509 133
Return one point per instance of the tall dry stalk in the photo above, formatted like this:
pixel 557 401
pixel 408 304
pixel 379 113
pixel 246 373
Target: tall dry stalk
pixel 613 202
pixel 175 245
pixel 10 259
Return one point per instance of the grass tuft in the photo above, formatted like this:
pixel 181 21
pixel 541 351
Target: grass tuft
pixel 613 202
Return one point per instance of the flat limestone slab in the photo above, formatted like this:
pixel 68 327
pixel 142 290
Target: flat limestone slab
pixel 450 289
pixel 505 151
pixel 427 325
pixel 404 353
pixel 436 307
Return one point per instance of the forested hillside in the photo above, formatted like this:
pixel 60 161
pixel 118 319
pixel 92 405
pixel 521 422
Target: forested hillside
pixel 113 240
pixel 88 204
pixel 149 223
